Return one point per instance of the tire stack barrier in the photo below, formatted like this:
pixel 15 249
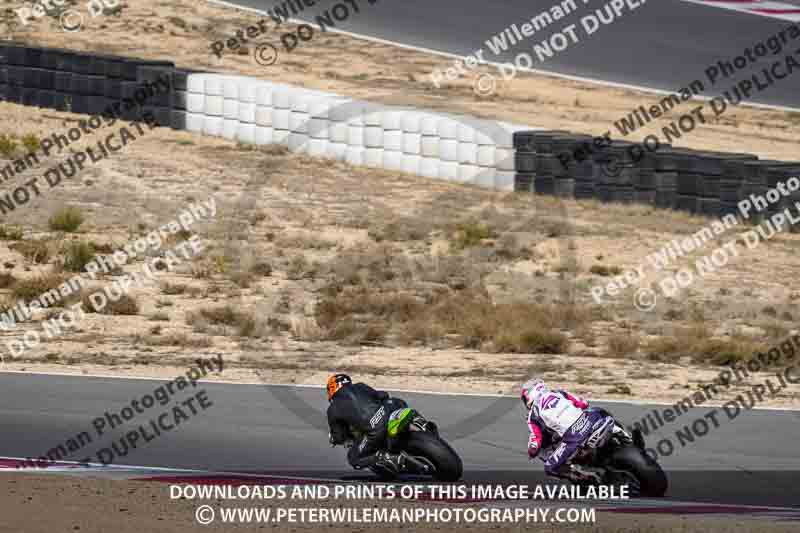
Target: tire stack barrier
pixel 688 192
pixel 536 163
pixel 249 110
pixel 775 173
pixel 665 177
pixel 91 84
pixel 617 183
pixel 458 148
pixel 555 162
pixel 646 180
pixel 732 185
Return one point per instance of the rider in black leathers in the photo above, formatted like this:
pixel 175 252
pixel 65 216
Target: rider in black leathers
pixel 360 413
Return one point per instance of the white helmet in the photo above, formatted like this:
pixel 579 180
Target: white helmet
pixel 530 390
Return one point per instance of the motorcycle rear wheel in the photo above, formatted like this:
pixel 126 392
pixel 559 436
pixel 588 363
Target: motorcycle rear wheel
pixel 652 479
pixel 444 458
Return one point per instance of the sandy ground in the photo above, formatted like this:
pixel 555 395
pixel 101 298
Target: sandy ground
pixel 184 31
pixel 95 505
pixel 319 216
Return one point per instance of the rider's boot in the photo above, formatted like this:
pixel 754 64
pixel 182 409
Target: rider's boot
pixel 392 462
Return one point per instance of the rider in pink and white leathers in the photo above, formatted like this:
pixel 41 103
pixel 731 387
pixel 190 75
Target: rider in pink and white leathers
pixel 559 426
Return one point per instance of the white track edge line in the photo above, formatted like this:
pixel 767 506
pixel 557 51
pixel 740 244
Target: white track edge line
pixel 583 79
pixel 97 467
pixel 736 8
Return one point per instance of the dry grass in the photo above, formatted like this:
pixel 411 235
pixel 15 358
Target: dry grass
pixel 10 233
pixel 470 233
pixel 602 270
pixel 159 317
pixel 8 146
pixel 274 149
pixel 622 344
pixel 303 328
pixel 302 241
pixel 620 388
pixel 67 219
pixel 173 339
pixel 697 344
pixel 467 319
pixel 299 268
pixel 31 142
pixel 242 322
pixel 27 289
pixel 261 268
pixel 402 229
pixel 104 305
pixel 509 248
pixel 173 288
pixel 7 279
pixel 36 251
pixel 77 255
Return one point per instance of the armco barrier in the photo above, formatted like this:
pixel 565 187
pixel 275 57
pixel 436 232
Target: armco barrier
pixel 248 110
pixel 456 148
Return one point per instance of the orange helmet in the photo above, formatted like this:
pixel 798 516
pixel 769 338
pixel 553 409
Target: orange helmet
pixel 336 382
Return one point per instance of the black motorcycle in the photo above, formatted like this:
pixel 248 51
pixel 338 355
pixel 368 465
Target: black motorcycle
pixel 622 456
pixel 427 453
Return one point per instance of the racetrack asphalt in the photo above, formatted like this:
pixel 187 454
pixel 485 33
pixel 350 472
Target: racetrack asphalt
pixel 663 45
pixel 282 429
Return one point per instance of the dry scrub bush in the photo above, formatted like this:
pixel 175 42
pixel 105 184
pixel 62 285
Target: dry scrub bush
pixel 299 267
pixel 173 288
pixel 305 329
pixel 403 229
pixel 31 142
pixel 303 242
pixel 27 289
pixel 7 279
pixel 124 305
pixel 243 322
pixel 466 318
pixel 159 316
pixel 352 303
pixel 602 270
pixel 174 339
pixel 8 146
pixel 369 266
pixel 261 268
pixel 470 233
pixel 696 342
pixel 622 344
pixel 76 256
pixel 67 219
pixel 36 251
pixel 274 149
pixel 10 233
pixel 508 248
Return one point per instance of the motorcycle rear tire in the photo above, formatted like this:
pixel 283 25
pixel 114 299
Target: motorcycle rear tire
pixel 444 458
pixel 652 479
